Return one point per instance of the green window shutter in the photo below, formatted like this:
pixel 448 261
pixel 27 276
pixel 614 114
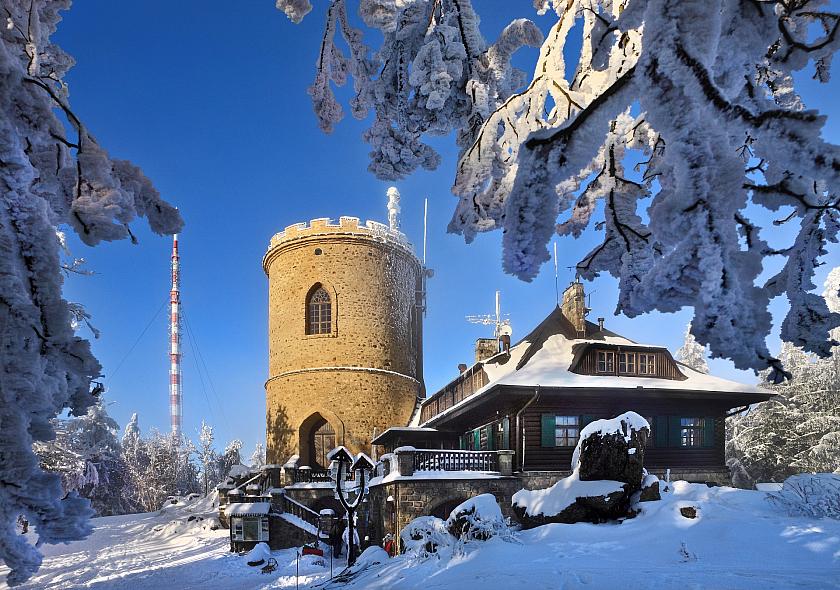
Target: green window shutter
pixel 674 431
pixel 660 431
pixel 586 419
pixel 506 432
pixel 490 437
pixel 709 432
pixel 549 426
pixel 477 439
pixel 462 443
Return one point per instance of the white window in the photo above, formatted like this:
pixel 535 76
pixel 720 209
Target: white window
pixel 566 430
pixel 236 526
pixel 606 361
pixel 647 364
pixel 692 432
pixel 627 362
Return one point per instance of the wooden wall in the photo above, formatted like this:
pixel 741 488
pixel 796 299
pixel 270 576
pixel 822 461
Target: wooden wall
pixel 539 458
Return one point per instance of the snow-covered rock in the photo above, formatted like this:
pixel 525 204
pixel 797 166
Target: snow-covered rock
pixel 478 518
pixel 608 472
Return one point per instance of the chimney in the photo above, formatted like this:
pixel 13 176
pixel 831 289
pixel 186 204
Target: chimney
pixel 601 324
pixel 462 367
pixel 574 308
pixel 485 348
pixel 504 342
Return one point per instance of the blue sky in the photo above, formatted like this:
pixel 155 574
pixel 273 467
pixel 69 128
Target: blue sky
pixel 209 98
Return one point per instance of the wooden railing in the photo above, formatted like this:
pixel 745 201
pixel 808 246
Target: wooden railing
pixel 304 513
pixel 443 460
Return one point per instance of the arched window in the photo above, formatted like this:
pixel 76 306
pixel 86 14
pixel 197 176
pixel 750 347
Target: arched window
pixel 319 312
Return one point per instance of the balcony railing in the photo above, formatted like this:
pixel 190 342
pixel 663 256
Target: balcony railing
pixel 445 460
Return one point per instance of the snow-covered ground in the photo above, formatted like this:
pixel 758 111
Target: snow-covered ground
pixel 738 540
pixel 160 551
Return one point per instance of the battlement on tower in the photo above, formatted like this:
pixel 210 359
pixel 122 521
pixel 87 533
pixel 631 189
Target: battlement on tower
pixel 326 227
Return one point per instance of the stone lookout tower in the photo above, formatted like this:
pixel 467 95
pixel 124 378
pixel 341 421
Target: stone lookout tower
pixel 345 337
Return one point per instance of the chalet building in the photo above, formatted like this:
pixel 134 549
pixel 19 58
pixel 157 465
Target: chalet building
pixel 535 397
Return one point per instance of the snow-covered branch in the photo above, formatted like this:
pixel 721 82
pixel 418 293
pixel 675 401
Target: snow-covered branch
pixel 702 91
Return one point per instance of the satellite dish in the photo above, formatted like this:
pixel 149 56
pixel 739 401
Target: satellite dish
pixel 505 330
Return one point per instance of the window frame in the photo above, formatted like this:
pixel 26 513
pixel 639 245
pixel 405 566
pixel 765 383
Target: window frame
pixel 236 528
pixel 649 362
pixel 692 432
pixel 631 356
pixel 319 314
pixel 608 363
pixel 565 440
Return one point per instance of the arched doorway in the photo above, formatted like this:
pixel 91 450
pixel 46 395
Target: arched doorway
pixel 317 438
pixel 321 443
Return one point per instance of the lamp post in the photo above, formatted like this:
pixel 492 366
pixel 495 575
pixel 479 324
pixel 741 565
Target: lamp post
pixel 362 466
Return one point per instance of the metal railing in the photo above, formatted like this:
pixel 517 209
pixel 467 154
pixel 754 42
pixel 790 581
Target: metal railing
pixel 314 475
pixel 444 460
pixel 297 509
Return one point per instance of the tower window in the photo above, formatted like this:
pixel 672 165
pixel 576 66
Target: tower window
pixel 318 252
pixel 319 312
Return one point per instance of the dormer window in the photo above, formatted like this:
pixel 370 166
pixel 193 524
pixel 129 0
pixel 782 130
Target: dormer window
pixel 647 364
pixel 606 361
pixel 627 363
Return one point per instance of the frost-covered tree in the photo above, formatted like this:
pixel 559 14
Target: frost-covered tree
pixel 158 466
pixel 692 353
pixel 52 176
pixel 207 457
pixel 231 456
pixel 258 456
pixel 798 430
pixel 701 90
pixel 87 455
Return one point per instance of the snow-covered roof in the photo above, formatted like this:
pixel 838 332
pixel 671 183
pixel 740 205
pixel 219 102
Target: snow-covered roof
pixel 546 356
pixel 247 509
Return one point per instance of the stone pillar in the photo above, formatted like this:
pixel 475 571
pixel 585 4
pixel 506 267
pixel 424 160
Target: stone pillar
pixel 277 499
pixel 506 462
pixel 273 473
pixel 405 460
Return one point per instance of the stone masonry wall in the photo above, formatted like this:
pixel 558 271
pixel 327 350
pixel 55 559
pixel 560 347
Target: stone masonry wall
pixel 366 373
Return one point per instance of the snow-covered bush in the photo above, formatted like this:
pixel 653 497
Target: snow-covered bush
pixel 806 494
pixel 478 518
pixel 698 94
pixel 426 536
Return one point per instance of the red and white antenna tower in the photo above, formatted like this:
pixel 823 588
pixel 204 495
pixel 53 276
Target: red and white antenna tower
pixel 175 344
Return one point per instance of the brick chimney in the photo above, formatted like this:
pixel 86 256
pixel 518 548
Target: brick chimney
pixel 574 307
pixel 485 348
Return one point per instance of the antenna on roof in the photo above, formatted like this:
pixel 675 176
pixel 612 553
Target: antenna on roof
pixel 425 218
pixel 425 273
pixel 499 321
pixel 556 287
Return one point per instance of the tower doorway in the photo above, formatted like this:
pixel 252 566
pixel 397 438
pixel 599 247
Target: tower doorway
pixel 321 443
